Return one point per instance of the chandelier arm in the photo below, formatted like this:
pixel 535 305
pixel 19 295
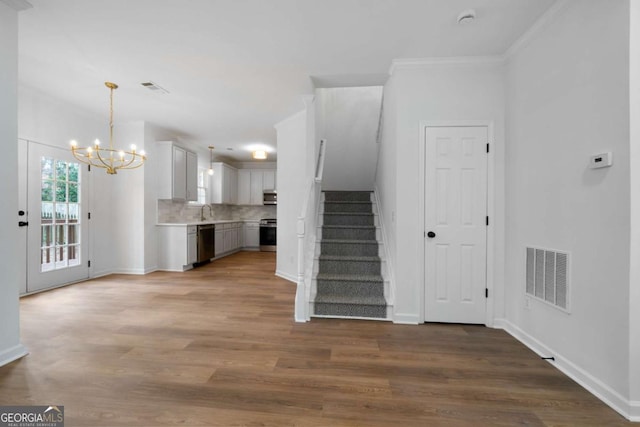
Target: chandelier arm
pixel 107 165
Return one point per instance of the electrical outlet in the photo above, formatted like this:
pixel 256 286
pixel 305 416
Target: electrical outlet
pixel 527 303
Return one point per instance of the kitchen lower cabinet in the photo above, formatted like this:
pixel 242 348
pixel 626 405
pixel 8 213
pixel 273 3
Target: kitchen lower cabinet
pixel 219 240
pixel 177 247
pixel 252 235
pixel 229 238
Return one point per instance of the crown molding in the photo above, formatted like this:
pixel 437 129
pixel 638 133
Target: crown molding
pixel 18 5
pixel 410 63
pixel 545 19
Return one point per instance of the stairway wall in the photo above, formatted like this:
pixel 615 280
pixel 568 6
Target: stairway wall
pixel 348 119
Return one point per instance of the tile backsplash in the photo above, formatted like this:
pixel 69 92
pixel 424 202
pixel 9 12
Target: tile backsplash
pixel 170 211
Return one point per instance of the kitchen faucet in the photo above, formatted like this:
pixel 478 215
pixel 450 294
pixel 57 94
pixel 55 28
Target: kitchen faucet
pixel 202 218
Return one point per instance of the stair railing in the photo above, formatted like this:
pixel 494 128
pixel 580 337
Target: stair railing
pixel 306 231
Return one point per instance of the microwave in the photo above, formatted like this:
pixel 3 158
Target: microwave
pixel 269 197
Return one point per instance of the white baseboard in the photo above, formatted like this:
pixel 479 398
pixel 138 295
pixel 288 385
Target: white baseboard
pixel 626 408
pixel 286 276
pixel 133 271
pixel 102 273
pixel 11 354
pixel 406 319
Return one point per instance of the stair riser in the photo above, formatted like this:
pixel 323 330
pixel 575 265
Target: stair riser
pixel 353 310
pixel 347 196
pixel 349 267
pixel 351 249
pixel 348 288
pixel 349 233
pixel 348 207
pixel 347 219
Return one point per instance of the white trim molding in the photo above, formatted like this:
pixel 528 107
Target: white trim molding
pixel 406 318
pixel 12 354
pixel 18 5
pixel 541 23
pixel 413 63
pixel 628 409
pixel 286 276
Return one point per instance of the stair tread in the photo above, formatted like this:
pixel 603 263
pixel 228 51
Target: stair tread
pixel 368 242
pixel 347 202
pixel 349 258
pixel 375 278
pixel 353 300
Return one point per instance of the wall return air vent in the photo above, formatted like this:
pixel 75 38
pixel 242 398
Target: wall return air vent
pixel 547 277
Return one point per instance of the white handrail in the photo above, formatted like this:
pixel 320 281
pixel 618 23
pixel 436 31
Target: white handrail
pixel 306 225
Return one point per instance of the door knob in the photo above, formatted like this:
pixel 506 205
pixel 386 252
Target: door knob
pixel 431 234
pixel 21 213
pixel 22 223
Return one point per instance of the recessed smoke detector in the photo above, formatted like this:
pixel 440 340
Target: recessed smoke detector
pixel 466 16
pixel 154 87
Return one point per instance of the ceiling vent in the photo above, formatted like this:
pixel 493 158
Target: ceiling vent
pixel 154 87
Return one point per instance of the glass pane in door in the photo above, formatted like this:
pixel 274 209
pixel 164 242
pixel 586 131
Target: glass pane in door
pixel 60 214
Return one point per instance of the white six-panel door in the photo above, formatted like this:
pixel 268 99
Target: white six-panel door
pixel 455 220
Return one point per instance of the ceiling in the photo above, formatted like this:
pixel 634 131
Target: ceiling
pixel 234 68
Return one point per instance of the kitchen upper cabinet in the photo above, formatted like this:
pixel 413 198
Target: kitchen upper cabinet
pixel 244 187
pixel 224 184
pixel 177 172
pixel 251 184
pixel 192 177
pixel 269 179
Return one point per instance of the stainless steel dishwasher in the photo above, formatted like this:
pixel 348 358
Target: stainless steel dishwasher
pixel 206 242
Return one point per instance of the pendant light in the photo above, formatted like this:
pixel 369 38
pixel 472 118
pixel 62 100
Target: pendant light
pixel 210 171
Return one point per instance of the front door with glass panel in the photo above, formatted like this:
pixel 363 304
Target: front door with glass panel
pixel 57 234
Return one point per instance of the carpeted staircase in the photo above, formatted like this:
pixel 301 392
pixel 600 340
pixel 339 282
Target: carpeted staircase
pixel 349 281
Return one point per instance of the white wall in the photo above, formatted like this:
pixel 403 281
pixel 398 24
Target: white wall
pixel 434 92
pixel 128 210
pixel 10 347
pixel 567 99
pixel 292 185
pixel 349 118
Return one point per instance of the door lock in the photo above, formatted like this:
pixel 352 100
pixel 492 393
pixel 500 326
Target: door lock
pixel 23 223
pixel 431 234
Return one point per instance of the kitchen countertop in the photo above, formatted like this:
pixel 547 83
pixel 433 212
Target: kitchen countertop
pixel 205 222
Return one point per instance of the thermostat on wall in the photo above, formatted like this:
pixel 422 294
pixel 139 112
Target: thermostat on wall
pixel 601 160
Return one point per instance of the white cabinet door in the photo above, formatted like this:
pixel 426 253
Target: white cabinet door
pixel 219 241
pixel 191 177
pixel 232 189
pixel 179 174
pixel 228 240
pixel 251 235
pixel 256 187
pixel 269 180
pixel 244 187
pixel 224 184
pixel 192 247
pixel 240 235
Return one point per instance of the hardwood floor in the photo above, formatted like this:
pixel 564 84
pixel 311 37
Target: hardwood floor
pixel 218 346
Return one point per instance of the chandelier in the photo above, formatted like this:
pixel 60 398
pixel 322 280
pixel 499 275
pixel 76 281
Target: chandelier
pixel 110 158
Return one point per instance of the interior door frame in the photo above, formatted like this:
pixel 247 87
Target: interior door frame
pixel 491 184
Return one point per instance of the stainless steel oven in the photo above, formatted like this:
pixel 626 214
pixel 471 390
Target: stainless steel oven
pixel 268 232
